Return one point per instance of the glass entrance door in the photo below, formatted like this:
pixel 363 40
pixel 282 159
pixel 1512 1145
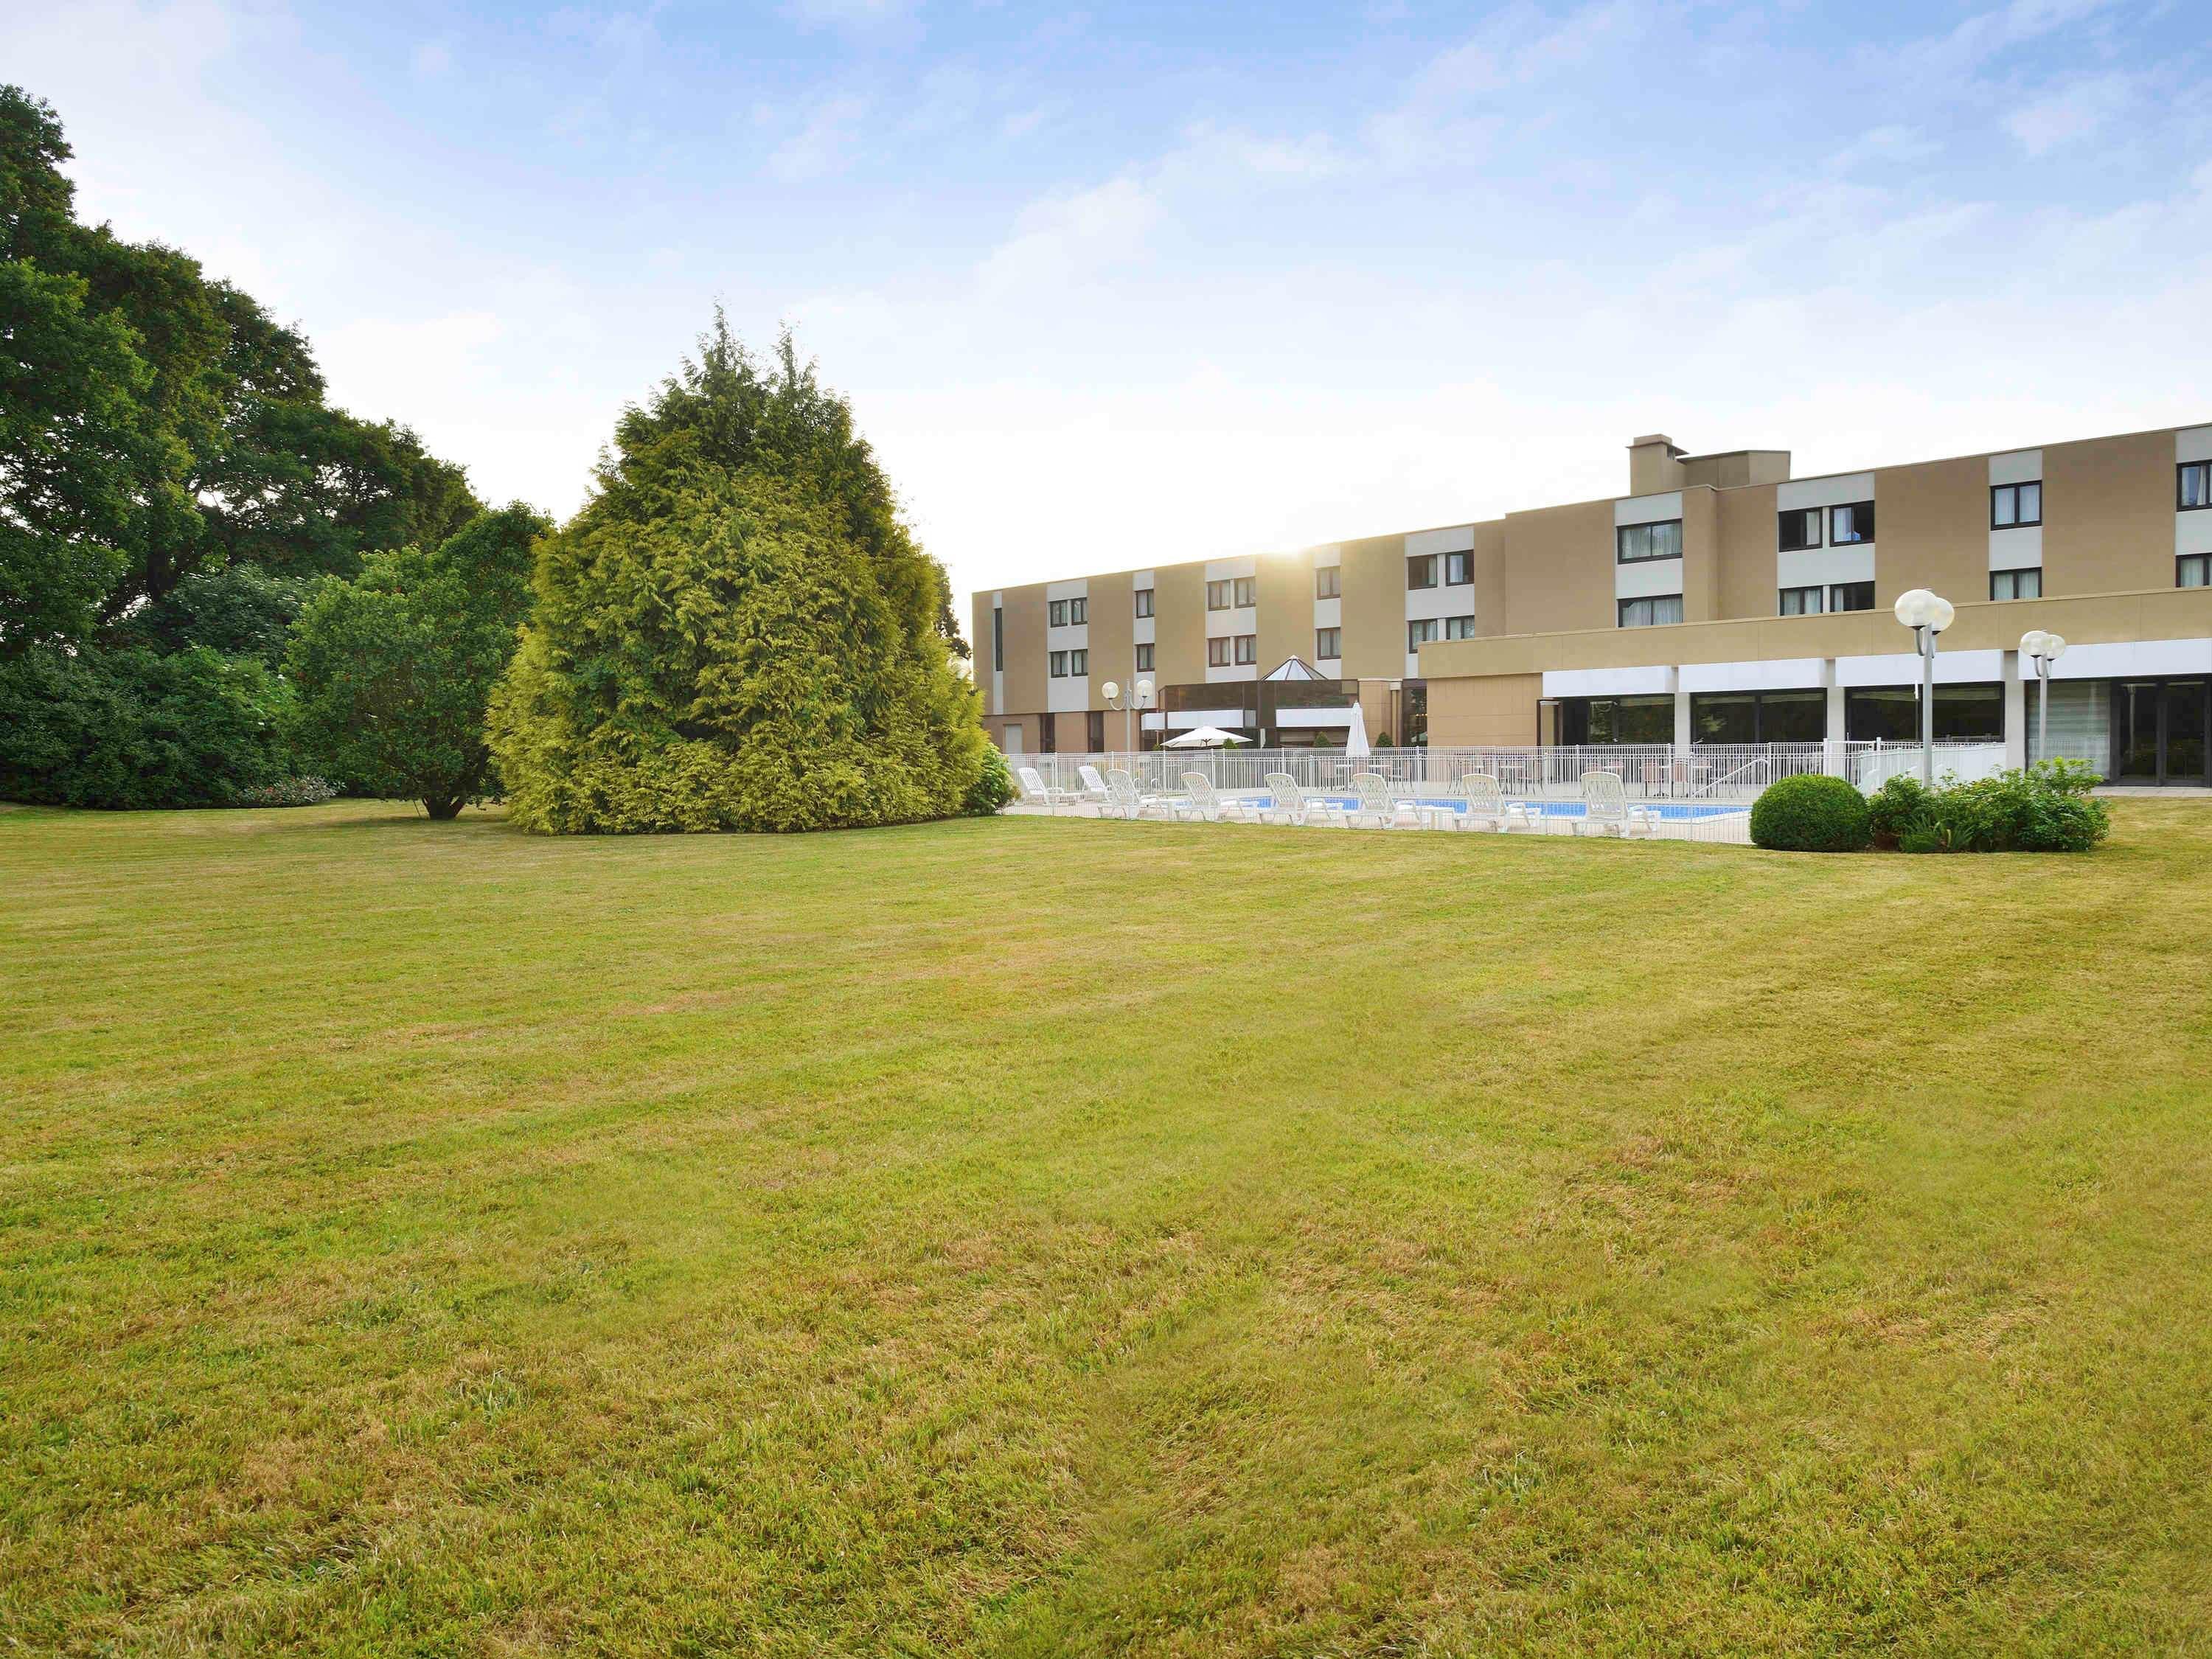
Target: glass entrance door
pixel 2160 731
pixel 2184 732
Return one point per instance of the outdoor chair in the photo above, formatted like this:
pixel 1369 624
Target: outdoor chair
pixel 1037 792
pixel 1605 810
pixel 1374 800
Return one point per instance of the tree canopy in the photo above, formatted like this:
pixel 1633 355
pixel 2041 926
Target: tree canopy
pixel 738 631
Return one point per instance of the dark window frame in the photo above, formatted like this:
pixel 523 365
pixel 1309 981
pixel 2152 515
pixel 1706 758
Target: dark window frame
pixel 1055 664
pixel 1464 625
pixel 1852 588
pixel 2016 572
pixel 1320 635
pixel 1328 581
pixel 2016 523
pixel 2181 471
pixel 1818 590
pixel 1144 656
pixel 1079 613
pixel 1217 642
pixel 1096 735
pixel 1465 565
pixel 1218 590
pixel 1412 644
pixel 1079 663
pixel 1415 561
pixel 1621 611
pixel 1247 593
pixel 998 638
pixel 1834 540
pixel 1620 534
pixel 1244 650
pixel 1143 602
pixel 1055 613
pixel 1818 515
pixel 2181 559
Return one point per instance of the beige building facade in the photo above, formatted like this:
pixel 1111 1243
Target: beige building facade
pixel 1719 600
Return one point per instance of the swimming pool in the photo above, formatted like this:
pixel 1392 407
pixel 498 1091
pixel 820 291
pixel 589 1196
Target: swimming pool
pixel 1680 811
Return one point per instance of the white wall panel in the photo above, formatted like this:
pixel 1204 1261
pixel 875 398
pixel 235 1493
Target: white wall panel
pixel 2192 531
pixel 1840 491
pixel 2133 657
pixel 1456 539
pixel 2193 443
pixel 1819 565
pixel 1609 682
pixel 1781 674
pixel 2017 466
pixel 2018 548
pixel 1647 579
pixel 1647 510
pixel 1903 668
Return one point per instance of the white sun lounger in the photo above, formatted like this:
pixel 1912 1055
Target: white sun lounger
pixel 1374 801
pixel 1038 792
pixel 1484 808
pixel 1094 786
pixel 1206 802
pixel 1607 811
pixel 1289 800
pixel 1129 802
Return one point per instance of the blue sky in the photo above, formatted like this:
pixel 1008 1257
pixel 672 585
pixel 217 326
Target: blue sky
pixel 1142 283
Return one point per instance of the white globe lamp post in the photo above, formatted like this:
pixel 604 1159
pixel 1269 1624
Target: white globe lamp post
pixel 1140 695
pixel 2043 650
pixel 1927 615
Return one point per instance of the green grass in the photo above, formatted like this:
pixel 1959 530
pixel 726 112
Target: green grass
pixel 1028 1238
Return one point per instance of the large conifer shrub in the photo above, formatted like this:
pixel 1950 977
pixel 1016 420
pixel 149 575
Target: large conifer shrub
pixel 736 632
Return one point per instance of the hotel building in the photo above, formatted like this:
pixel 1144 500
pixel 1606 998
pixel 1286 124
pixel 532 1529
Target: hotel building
pixel 1719 599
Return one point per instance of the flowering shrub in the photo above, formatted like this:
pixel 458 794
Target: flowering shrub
pixel 2047 808
pixel 309 791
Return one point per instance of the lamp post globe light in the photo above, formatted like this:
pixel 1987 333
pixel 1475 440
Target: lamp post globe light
pixel 2042 649
pixel 1927 615
pixel 1140 695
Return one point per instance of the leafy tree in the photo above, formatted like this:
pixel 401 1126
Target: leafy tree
pixel 393 669
pixel 239 610
pixel 69 440
pixel 135 729
pixel 737 631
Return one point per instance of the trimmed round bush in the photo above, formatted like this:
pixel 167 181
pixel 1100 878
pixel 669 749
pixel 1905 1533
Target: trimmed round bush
pixel 1811 814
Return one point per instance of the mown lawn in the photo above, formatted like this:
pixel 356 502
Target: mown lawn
pixel 1030 1237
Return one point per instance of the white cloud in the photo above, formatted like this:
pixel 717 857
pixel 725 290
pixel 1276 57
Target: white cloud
pixel 2072 113
pixel 823 145
pixel 1070 238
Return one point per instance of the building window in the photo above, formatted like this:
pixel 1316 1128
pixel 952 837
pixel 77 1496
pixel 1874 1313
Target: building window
pixel 1801 530
pixel 1145 658
pixel 1078 612
pixel 1247 592
pixel 1216 652
pixel 1802 601
pixel 2193 570
pixel 1048 734
pixel 1098 734
pixel 1328 644
pixel 1653 612
pixel 1079 664
pixel 1058 665
pixel 1418 634
pixel 998 637
pixel 1849 526
pixel 1617 719
pixel 1247 649
pixel 1459 628
pixel 2016 584
pixel 1458 569
pixel 1892 712
pixel 1143 601
pixel 1328 581
pixel 1759 717
pixel 1056 614
pixel 1635 543
pixel 1851 596
pixel 2196 486
pixel 1216 596
pixel 1421 572
pixel 2015 504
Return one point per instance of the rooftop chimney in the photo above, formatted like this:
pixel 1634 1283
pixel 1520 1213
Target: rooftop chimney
pixel 1655 464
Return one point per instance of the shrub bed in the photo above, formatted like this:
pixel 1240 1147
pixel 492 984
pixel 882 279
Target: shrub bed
pixel 1811 813
pixel 2047 808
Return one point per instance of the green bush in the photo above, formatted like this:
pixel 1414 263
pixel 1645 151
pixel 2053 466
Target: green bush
pixel 993 786
pixel 1810 813
pixel 736 632
pixel 2045 809
pixel 1897 808
pixel 123 729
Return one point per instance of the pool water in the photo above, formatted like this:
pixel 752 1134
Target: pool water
pixel 1674 810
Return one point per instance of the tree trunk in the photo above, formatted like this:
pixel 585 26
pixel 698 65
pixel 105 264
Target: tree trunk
pixel 442 807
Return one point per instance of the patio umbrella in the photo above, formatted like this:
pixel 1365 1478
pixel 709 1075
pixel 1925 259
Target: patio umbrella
pixel 1205 737
pixel 1355 737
